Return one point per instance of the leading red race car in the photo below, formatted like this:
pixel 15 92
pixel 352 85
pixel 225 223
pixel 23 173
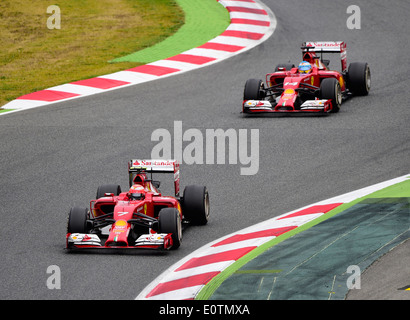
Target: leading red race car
pixel 309 88
pixel 140 217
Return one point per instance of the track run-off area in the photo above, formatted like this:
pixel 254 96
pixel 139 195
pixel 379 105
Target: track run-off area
pixel 55 156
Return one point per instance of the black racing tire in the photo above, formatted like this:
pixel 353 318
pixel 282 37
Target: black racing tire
pixel 108 188
pixel 77 220
pixel 195 204
pixel 253 90
pixel 330 89
pixel 287 66
pixel 359 78
pixel 169 221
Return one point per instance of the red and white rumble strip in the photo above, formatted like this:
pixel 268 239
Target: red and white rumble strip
pixel 251 23
pixel 186 278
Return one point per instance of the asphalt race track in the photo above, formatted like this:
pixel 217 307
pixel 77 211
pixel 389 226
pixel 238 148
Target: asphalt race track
pixel 56 156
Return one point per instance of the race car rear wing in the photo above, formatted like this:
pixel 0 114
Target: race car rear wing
pixel 328 46
pixel 158 166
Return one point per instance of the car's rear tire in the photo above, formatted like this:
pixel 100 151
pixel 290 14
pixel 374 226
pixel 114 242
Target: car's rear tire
pixel 195 205
pixel 286 66
pixel 253 90
pixel 169 221
pixel 108 188
pixel 359 78
pixel 77 220
pixel 330 89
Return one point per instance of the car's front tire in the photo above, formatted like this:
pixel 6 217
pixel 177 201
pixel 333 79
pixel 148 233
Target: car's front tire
pixel 77 220
pixel 253 90
pixel 330 89
pixel 169 221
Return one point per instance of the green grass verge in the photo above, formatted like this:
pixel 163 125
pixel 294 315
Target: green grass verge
pixel 92 35
pixel 204 20
pixel 398 190
pixel 34 57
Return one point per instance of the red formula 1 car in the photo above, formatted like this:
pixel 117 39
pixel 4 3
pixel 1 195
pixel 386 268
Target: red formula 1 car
pixel 140 217
pixel 309 88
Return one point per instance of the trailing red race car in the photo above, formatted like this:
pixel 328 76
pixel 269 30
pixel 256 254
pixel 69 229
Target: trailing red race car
pixel 140 217
pixel 311 87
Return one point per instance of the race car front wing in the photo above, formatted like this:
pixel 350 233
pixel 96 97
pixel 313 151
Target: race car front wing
pixel 157 241
pixel 264 106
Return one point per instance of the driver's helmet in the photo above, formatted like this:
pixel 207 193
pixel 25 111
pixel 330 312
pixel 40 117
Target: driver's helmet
pixel 304 67
pixel 137 192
